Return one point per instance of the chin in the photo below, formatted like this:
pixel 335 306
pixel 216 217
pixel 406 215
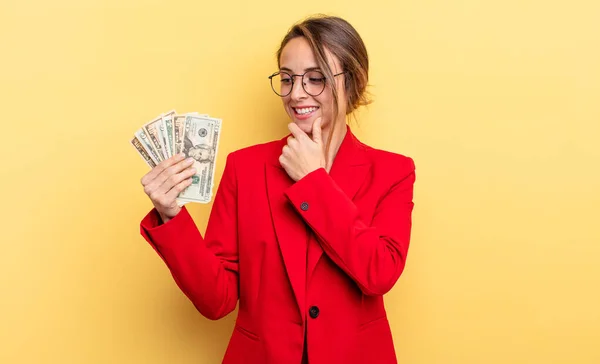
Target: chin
pixel 305 125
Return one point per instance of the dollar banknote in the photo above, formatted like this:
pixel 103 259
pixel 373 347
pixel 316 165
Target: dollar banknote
pixel 179 130
pixel 154 132
pixel 143 152
pixel 200 142
pixel 166 131
pixel 196 135
pixel 142 137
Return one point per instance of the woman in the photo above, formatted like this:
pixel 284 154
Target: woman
pixel 307 232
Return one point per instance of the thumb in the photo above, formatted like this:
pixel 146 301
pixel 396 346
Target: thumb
pixel 316 131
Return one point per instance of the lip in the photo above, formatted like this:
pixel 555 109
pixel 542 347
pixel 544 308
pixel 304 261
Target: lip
pixel 304 116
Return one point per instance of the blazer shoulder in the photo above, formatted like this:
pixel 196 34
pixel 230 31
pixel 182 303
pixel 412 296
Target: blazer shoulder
pixel 256 154
pixel 398 164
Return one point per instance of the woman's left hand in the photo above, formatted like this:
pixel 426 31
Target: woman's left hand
pixel 303 155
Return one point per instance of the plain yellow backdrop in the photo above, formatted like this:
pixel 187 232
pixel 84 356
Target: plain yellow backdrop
pixel 497 101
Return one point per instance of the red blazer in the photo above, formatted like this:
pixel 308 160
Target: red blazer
pixel 308 259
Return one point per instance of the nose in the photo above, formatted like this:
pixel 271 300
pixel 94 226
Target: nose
pixel 298 92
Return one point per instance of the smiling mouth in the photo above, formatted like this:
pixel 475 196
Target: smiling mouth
pixel 304 110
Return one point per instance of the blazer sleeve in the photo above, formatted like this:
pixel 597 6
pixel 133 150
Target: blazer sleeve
pixel 373 255
pixel 205 269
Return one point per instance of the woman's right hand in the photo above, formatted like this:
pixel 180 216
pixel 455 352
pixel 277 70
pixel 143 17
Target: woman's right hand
pixel 166 181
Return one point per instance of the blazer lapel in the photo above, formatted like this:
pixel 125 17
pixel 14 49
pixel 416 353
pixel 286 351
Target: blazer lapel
pixel 290 230
pixel 348 171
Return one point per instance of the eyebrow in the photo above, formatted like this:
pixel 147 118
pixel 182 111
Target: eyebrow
pixel 305 70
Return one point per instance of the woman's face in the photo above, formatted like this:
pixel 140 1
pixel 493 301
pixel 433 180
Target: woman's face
pixel 296 58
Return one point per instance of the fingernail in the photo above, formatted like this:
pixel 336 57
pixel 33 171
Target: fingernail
pixel 193 170
pixel 189 160
pixel 181 155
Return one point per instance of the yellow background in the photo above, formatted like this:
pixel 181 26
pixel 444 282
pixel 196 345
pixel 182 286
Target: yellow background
pixel 497 101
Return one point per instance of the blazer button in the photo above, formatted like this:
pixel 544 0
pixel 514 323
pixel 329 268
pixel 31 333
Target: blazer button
pixel 304 206
pixel 313 312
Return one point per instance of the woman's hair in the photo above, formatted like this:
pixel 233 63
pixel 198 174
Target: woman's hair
pixel 343 41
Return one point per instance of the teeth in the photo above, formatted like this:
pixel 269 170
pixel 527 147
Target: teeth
pixel 306 110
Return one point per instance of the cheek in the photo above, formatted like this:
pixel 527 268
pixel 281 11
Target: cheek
pixel 286 105
pixel 326 104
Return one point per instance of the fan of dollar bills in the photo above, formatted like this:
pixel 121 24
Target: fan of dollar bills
pixel 195 135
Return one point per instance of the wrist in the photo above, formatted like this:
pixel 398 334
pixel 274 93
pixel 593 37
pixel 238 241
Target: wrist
pixel 163 218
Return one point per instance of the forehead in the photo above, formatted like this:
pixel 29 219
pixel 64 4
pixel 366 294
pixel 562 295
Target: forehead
pixel 297 55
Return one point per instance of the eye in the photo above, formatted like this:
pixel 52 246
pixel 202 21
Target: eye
pixel 285 78
pixel 316 78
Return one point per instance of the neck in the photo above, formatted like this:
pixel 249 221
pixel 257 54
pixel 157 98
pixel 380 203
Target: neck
pixel 339 132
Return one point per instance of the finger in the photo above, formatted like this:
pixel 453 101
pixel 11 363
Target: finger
pixel 175 179
pixel 283 161
pixel 148 177
pixel 176 168
pixel 171 196
pixel 159 180
pixel 316 131
pixel 160 194
pixel 297 132
pixel 292 142
pixel 164 165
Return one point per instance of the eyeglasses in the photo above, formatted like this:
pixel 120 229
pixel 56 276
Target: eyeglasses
pixel 313 82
